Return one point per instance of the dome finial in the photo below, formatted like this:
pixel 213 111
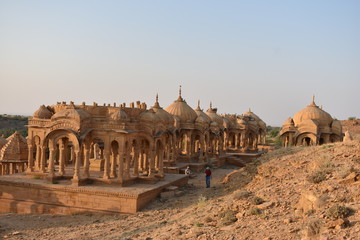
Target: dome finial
pixel 210 105
pixel 180 91
pixel 249 109
pixel 198 103
pixel 313 99
pixel 157 105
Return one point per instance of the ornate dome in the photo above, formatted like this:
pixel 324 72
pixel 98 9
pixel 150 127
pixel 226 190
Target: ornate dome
pixel 288 121
pixel 119 115
pixel 227 123
pixel 72 113
pixel 163 115
pixel 313 112
pixel 252 115
pixel 42 113
pixel 182 110
pixel 149 116
pixel 202 117
pixel 211 112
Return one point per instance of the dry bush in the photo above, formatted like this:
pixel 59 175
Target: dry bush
pixel 313 227
pixel 322 163
pixel 256 200
pixel 201 201
pixel 227 217
pixel 241 194
pixel 316 177
pixel 338 211
pixel 255 211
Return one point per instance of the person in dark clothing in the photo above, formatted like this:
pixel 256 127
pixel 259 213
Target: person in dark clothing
pixel 207 176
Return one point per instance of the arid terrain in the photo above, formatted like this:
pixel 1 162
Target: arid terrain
pixel 290 193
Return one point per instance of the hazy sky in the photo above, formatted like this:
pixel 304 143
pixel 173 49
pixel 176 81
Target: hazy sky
pixel 271 56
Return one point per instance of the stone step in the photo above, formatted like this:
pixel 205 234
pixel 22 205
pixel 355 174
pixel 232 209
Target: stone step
pixel 171 189
pixel 179 193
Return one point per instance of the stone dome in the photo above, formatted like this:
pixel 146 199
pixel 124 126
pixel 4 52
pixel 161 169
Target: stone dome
pixel 313 112
pixel 182 110
pixel 119 115
pixel 202 118
pixel 212 113
pixel 289 121
pixel 163 115
pixel 149 116
pixel 72 113
pixel 252 115
pixel 42 113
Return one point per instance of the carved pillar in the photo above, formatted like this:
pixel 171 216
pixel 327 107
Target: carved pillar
pixel 76 178
pixel 86 161
pixel 113 164
pixel 61 158
pixel 106 154
pixel 43 159
pixel 136 161
pixel 120 175
pixel 161 163
pixel 51 173
pixel 151 164
pixel 30 167
pixel 127 165
pixel 38 157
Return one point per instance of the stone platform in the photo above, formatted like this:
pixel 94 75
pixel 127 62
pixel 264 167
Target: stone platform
pixel 25 194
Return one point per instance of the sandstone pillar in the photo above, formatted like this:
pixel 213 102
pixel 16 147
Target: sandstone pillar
pixel 120 175
pixel 87 161
pixel 113 165
pixel 106 154
pixel 51 173
pixel 30 167
pixel 43 160
pixel 61 158
pixel 76 178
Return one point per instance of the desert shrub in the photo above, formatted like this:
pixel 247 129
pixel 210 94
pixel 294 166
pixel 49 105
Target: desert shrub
pixel 351 118
pixel 36 177
pixel 338 211
pixel 316 177
pixel 201 201
pixel 241 194
pixel 256 200
pixel 197 224
pixel 255 211
pixel 313 227
pixel 208 219
pixel 228 217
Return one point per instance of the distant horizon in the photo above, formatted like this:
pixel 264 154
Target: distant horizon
pixel 269 56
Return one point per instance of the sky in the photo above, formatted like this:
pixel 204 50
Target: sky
pixel 270 56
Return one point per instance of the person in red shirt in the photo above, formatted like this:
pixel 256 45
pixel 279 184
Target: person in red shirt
pixel 207 176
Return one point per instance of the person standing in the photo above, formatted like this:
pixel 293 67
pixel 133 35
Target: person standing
pixel 207 176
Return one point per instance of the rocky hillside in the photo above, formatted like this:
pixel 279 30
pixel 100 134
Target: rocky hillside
pixel 353 126
pixel 11 123
pixel 290 193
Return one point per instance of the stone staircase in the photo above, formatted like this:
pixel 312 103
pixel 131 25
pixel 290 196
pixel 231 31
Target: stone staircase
pixel 171 191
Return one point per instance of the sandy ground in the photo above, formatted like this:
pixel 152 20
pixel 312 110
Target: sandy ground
pixel 157 214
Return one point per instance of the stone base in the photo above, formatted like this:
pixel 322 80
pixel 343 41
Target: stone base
pixel 21 194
